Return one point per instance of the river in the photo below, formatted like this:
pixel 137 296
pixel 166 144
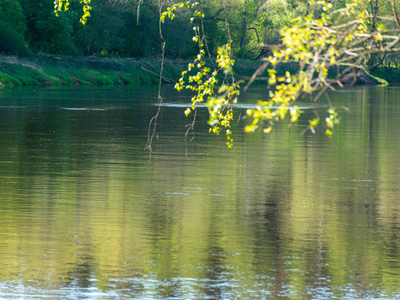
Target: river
pixel 87 213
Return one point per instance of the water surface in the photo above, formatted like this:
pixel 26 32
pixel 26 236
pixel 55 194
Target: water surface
pixel 87 214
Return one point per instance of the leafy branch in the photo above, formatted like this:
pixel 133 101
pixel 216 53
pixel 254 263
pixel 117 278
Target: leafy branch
pixel 205 81
pixel 339 39
pixel 62 5
pixel 318 45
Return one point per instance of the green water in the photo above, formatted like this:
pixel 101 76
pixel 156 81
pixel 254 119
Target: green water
pixel 87 214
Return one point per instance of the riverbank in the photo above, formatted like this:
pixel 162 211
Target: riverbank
pixel 93 70
pixel 390 74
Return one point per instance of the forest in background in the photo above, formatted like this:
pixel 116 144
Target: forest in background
pixel 129 28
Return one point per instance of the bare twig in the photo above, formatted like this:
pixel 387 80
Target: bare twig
pixel 153 122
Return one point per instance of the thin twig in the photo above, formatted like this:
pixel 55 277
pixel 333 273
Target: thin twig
pixel 153 122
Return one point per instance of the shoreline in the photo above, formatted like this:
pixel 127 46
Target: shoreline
pixel 57 70
pixel 54 70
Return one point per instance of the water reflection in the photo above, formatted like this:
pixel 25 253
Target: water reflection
pixel 86 214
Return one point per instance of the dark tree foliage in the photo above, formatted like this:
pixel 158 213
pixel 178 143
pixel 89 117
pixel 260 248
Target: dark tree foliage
pixel 45 31
pixel 130 27
pixel 12 28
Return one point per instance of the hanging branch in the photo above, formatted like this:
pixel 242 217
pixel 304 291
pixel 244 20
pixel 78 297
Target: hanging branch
pixel 152 129
pixel 317 45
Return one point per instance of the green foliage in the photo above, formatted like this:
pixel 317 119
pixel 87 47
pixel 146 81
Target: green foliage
pixel 179 45
pixel 46 32
pixel 317 45
pixel 112 27
pixel 11 12
pixel 105 34
pixel 317 42
pixel 62 5
pixel 203 82
pixel 11 41
pixel 12 28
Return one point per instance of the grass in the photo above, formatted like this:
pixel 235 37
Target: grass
pixel 60 70
pixel 68 70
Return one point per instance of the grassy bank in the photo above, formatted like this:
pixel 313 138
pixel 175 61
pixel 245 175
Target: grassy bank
pixel 391 75
pixel 92 70
pixel 65 70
